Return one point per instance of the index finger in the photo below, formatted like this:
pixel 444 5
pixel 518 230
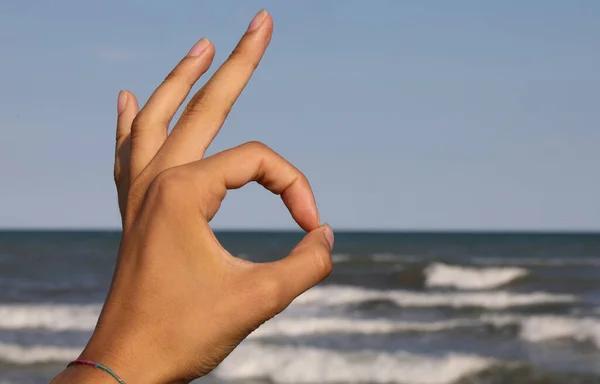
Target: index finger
pixel 255 161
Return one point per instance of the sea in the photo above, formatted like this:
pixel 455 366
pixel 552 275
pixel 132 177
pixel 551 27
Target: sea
pixel 407 308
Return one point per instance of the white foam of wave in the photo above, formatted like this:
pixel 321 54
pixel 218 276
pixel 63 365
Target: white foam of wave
pixel 17 354
pixel 547 327
pixel 312 365
pixel 537 261
pixel 555 327
pixel 444 275
pixel 343 295
pixel 285 326
pixel 339 258
pixel 56 317
pixel 531 328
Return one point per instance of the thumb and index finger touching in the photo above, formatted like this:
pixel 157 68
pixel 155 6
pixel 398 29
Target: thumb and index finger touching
pixel 310 261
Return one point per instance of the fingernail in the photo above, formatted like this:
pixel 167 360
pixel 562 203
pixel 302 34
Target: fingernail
pixel 122 102
pixel 198 48
pixel 329 235
pixel 257 21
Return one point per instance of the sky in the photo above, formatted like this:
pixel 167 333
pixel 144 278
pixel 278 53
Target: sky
pixel 404 115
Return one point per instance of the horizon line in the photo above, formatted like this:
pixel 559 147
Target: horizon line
pixel 336 230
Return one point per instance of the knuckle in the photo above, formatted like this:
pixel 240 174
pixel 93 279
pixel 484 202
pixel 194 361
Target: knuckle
pixel 301 178
pixel 177 78
pixel 139 123
pixel 318 259
pixel 322 264
pixel 257 146
pixel 173 76
pixel 243 59
pixel 170 187
pixel 120 136
pixel 139 119
pixel 210 103
pixel 198 104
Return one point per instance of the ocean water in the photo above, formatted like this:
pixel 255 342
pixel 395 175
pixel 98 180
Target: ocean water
pixel 411 308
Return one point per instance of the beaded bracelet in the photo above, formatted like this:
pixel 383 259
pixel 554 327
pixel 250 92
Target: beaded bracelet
pixel 96 365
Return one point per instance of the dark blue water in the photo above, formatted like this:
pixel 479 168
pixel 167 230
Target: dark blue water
pixel 413 308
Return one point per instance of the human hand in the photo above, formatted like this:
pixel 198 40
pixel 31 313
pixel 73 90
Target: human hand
pixel 179 303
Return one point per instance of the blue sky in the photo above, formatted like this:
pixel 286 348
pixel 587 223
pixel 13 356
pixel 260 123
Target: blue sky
pixel 404 115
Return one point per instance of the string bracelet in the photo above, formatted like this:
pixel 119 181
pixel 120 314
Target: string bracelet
pixel 96 365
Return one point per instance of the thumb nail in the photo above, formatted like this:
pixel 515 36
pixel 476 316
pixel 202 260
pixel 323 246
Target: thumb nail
pixel 329 235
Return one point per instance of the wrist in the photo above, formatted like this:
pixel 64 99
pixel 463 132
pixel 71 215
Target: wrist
pixel 132 359
pixel 83 374
pixel 120 360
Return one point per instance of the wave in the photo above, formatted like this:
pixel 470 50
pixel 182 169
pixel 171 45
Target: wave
pixel 340 258
pixel 56 317
pixel 18 354
pixel 530 328
pixel 74 317
pixel 546 328
pixel 491 260
pixel 312 365
pixel 537 261
pixel 286 326
pixel 444 275
pixel 344 295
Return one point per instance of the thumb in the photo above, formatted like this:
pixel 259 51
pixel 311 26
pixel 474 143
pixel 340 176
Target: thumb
pixel 308 264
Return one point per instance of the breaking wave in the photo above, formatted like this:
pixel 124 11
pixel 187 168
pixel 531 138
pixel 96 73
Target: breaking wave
pixel 343 295
pixel 444 275
pixel 312 365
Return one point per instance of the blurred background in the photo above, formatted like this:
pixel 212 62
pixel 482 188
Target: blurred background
pixel 452 146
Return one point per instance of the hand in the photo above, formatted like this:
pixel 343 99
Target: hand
pixel 179 303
